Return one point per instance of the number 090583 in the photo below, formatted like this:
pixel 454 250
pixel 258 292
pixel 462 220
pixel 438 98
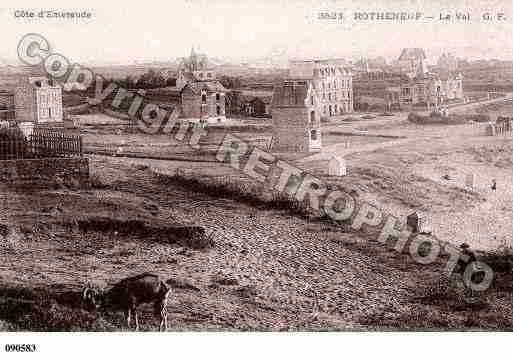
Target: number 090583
pixel 20 348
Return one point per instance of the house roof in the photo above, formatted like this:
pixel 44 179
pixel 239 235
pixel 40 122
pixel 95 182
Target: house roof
pixel 412 54
pixel 265 99
pixel 290 95
pixel 339 159
pixel 188 76
pixel 213 86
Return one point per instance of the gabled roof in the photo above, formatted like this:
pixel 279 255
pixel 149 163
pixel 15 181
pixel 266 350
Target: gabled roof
pixel 412 54
pixel 197 87
pixel 265 99
pixel 339 159
pixel 188 76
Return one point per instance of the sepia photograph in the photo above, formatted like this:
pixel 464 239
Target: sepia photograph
pixel 271 173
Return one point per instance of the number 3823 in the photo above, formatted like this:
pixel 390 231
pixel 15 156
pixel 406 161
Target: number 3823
pixel 20 348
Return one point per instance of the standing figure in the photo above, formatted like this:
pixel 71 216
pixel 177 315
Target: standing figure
pixel 467 258
pixel 494 185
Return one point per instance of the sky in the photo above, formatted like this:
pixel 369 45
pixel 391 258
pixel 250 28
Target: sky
pixel 163 30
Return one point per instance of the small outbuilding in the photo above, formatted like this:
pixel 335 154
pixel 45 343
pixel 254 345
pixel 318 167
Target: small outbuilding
pixel 337 166
pixel 469 180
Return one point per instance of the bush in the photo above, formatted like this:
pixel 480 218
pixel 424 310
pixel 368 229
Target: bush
pixel 500 260
pixel 435 118
pixel 249 193
pixel 96 182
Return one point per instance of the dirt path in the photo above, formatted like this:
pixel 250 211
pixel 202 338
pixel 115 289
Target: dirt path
pixel 340 149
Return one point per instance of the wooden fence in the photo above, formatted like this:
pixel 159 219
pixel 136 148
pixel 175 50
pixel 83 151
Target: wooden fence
pixel 41 143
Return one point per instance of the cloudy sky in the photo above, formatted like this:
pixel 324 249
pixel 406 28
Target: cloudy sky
pixel 160 30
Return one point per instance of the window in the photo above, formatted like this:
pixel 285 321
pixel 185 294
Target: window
pixel 200 75
pixel 311 100
pixel 49 112
pixel 209 74
pixel 218 110
pixel 203 97
pixel 313 135
pixel 218 97
pixel 312 117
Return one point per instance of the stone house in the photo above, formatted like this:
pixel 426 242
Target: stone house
pixel 432 89
pixel 296 117
pixel 259 106
pixel 38 101
pixel 204 101
pixel 332 83
pixel 393 97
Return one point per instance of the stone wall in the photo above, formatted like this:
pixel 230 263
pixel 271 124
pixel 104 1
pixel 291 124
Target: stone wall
pixel 192 106
pixel 25 104
pixel 67 171
pixel 290 129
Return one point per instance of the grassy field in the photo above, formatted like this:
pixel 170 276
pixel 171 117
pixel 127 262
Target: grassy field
pixel 263 270
pixel 267 260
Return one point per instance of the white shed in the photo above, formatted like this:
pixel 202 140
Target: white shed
pixel 337 166
pixel 469 180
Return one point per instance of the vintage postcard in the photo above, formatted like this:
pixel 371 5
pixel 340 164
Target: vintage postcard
pixel 243 166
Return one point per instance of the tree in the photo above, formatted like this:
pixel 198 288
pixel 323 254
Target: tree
pixel 230 82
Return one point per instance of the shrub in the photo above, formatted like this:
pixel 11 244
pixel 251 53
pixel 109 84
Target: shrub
pixel 500 260
pixel 238 191
pixel 96 182
pixel 435 118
